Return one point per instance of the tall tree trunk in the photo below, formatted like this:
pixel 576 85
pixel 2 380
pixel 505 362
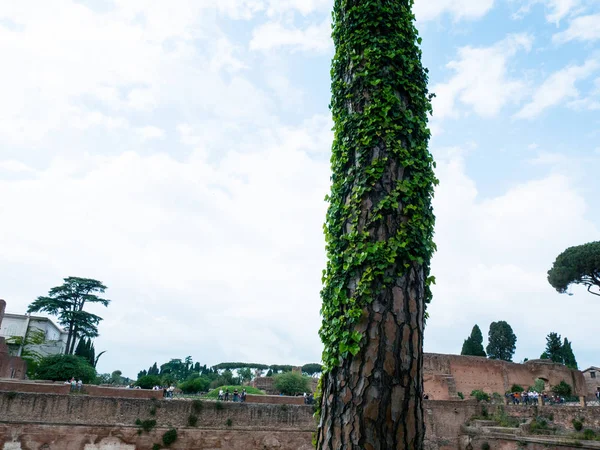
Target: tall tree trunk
pixel 374 400
pixel 379 232
pixel 69 336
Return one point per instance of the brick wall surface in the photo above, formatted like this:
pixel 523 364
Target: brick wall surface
pixel 13 386
pixel 275 399
pixel 469 373
pixel 86 410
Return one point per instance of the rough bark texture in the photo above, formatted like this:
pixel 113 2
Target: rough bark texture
pixel 374 400
pixel 381 205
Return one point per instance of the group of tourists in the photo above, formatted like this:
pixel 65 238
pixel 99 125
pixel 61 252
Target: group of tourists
pixel 236 397
pixel 76 385
pixel 309 399
pixel 168 391
pixel 533 398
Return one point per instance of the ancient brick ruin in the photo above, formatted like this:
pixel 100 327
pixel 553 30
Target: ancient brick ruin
pixel 447 375
pixel 10 366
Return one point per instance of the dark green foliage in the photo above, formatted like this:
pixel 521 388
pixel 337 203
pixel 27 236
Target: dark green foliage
pixel 153 411
pixel 460 395
pixel 156 447
pixel 85 349
pixel 563 389
pixel 516 388
pixel 240 365
pixel 292 383
pixel 554 348
pixel 219 406
pixel 577 265
pixel 480 396
pixel 195 385
pixel 568 355
pixel 64 367
pixel 146 425
pixel 539 425
pixel 192 420
pixel 197 406
pixel 169 437
pixel 577 424
pixel 154 370
pixel 504 420
pixel 559 352
pixel 501 341
pixel 589 434
pixel 67 302
pixel 485 446
pixel 229 422
pixel 11 395
pixel 473 345
pixel 148 381
pixel 312 369
pixel 538 386
pixel 386 127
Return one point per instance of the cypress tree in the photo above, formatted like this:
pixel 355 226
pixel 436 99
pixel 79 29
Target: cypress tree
pixel 473 345
pixel 568 355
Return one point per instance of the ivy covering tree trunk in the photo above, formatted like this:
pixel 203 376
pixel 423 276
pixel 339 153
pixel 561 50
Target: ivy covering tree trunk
pixel 379 230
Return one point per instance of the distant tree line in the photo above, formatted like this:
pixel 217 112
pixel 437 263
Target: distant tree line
pixel 502 345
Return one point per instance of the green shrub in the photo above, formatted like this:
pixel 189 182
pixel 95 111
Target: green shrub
pixel 516 388
pixel 504 420
pixel 10 395
pixel 192 420
pixel 195 385
pixel 64 367
pixel 577 424
pixel 156 447
pixel 461 395
pixel 169 437
pixel 146 425
pixel 563 389
pixel 485 446
pixel 229 422
pixel 588 434
pixel 219 406
pixel 480 396
pixel 148 381
pixel 292 383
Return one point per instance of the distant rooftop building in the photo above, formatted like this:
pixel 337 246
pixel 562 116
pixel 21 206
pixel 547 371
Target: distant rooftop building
pixel 49 338
pixel 592 380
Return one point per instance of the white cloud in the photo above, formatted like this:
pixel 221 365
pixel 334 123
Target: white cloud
pixel 556 10
pixel 459 9
pixel 274 35
pixel 304 7
pixel 150 132
pixel 583 28
pixel 558 87
pixel 201 244
pixel 481 80
pixel 493 255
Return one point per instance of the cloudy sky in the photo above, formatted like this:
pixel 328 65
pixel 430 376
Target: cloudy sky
pixel 179 152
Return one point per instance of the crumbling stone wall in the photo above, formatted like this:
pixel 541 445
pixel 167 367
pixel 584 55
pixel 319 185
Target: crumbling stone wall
pixel 446 375
pixel 76 422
